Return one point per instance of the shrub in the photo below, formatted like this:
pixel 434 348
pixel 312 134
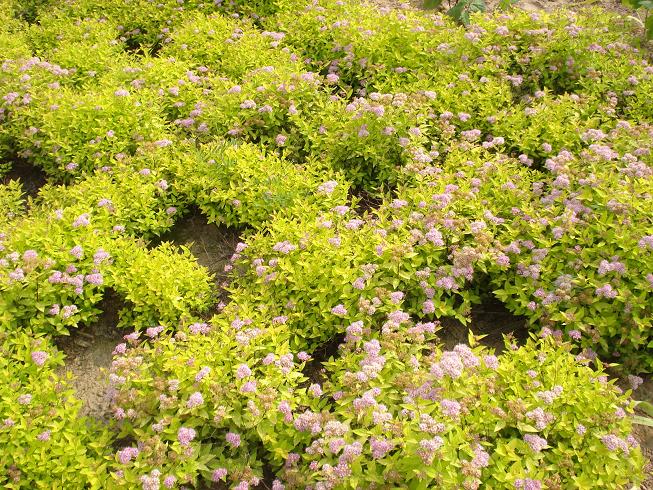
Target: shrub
pixel 11 201
pixel 240 185
pixel 179 87
pixel 87 48
pixel 68 132
pixel 208 400
pixel 44 442
pixel 49 278
pixel 526 222
pixel 268 106
pixel 56 264
pixel 226 46
pixel 126 198
pixel 161 285
pixel 368 139
pixel 403 412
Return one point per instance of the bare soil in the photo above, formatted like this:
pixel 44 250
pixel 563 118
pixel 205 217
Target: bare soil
pixel 211 244
pixel 88 353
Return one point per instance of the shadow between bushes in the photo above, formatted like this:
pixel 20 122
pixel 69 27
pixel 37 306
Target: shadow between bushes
pixel 491 319
pixel 31 178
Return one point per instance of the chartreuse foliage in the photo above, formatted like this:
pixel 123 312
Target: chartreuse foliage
pixel 512 157
pixel 240 185
pixel 45 442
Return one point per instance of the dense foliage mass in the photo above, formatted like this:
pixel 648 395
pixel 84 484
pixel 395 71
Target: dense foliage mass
pixel 389 168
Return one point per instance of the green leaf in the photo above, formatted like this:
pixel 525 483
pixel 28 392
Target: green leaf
pixel 506 4
pixel 462 10
pixel 645 407
pixel 638 419
pixel 432 4
pixel 648 26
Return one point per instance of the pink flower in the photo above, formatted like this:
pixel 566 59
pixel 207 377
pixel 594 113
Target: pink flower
pixel 154 331
pixel 25 399
pixel 428 447
pixel 195 400
pixel 127 454
pixel 185 435
pixel 536 443
pixel 428 307
pixel 202 374
pixel 396 297
pixel 219 474
pixel 44 436
pixel 29 255
pixel 82 220
pixel 339 310
pixel 233 439
pixel 243 371
pixel 327 187
pixel 39 357
pixel 635 381
pixel 249 387
pixel 303 356
pixel 491 361
pixel 315 390
pixel 528 484
pixel 380 447
pixel 606 291
pixel 450 408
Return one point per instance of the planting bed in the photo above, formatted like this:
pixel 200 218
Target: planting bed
pixel 323 244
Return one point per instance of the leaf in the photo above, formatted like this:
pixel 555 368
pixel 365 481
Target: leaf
pixel 462 10
pixel 648 26
pixel 432 4
pixel 638 419
pixel 645 407
pixel 506 4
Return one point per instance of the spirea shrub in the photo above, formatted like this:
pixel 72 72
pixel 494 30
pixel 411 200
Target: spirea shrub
pixel 86 48
pixel 509 158
pixel 178 86
pixel 50 276
pixel 44 442
pixel 161 285
pixel 239 185
pixel 128 198
pixel 78 240
pixel 527 222
pixel 69 132
pixel 199 404
pixel 403 412
pixel 227 46
pixel 12 201
pixel 393 407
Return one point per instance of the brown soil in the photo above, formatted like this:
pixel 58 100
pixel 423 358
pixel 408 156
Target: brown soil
pixel 88 353
pixel 490 319
pixel 211 244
